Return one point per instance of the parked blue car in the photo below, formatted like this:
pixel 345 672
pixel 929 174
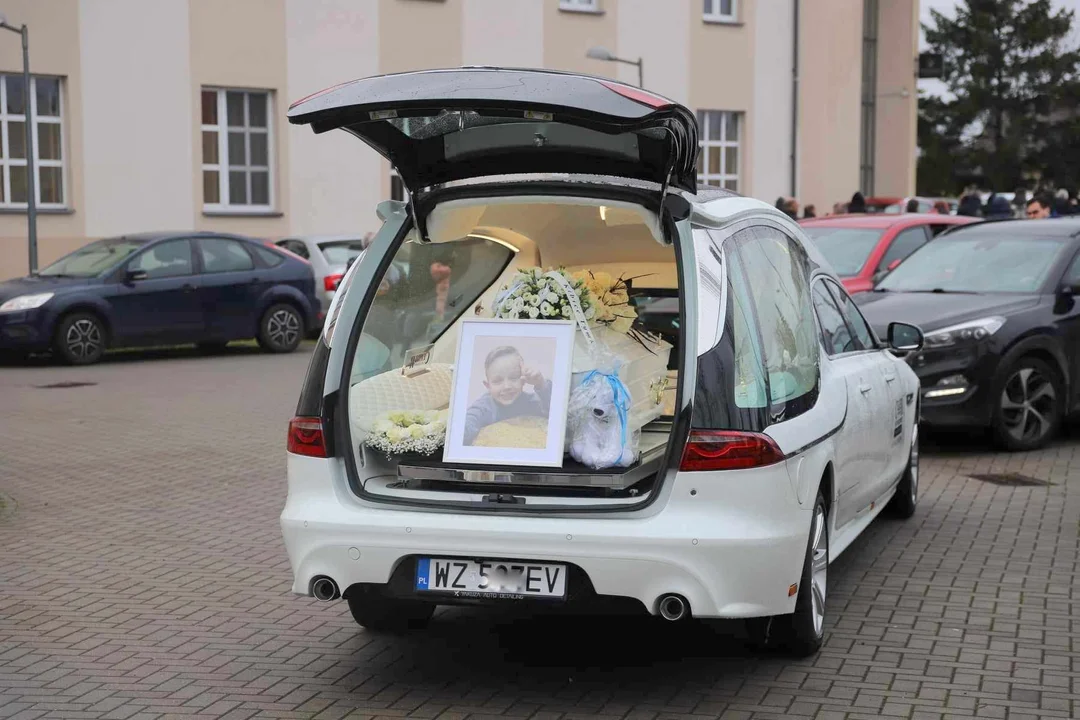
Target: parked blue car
pixel 160 288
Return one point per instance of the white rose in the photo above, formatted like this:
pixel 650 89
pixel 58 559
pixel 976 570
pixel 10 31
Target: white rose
pixel 534 313
pixel 519 304
pixel 565 311
pixel 534 300
pixel 547 309
pixel 552 297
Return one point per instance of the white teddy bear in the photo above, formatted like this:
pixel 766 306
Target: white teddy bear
pixel 598 432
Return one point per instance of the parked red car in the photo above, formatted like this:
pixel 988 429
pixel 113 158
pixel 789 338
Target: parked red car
pixel 863 248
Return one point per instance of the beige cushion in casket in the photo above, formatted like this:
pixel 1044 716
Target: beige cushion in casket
pixel 427 389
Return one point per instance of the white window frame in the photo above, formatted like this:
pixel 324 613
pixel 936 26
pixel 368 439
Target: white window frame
pixel 6 162
pixel 582 6
pixel 716 15
pixel 222 166
pixel 706 147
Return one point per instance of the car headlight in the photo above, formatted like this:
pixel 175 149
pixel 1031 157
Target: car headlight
pixel 25 302
pixel 964 333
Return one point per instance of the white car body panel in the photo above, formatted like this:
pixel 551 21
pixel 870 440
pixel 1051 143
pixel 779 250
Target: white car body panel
pixel 732 543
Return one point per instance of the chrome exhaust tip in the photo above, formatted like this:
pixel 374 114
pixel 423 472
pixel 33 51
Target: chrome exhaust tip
pixel 673 608
pixel 324 589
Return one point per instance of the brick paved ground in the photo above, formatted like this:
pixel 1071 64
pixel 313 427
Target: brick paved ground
pixel 142 575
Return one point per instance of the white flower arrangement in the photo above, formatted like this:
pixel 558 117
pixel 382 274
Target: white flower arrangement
pixel 402 431
pixel 531 296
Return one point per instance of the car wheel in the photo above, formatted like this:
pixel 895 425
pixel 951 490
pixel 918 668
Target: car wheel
pixel 80 339
pixel 1028 411
pixel 802 633
pixel 907 492
pixel 380 614
pixel 281 329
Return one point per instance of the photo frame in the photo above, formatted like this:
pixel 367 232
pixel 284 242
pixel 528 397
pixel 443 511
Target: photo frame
pixel 511 388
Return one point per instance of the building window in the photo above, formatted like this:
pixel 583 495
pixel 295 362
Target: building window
pixel 580 5
pixel 868 121
pixel 237 152
pixel 46 108
pixel 721 10
pixel 718 159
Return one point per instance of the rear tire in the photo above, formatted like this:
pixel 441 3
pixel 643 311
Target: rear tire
pixel 281 329
pixel 802 633
pixel 907 491
pixel 80 339
pixel 380 614
pixel 1028 407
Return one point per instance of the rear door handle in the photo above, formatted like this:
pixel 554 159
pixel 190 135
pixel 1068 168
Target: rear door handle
pixel 890 378
pixel 864 389
pixel 188 287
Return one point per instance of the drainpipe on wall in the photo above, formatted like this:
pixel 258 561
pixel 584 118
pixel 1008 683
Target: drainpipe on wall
pixel 795 101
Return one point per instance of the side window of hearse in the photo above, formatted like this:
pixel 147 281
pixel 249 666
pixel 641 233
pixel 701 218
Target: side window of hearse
pixel 777 276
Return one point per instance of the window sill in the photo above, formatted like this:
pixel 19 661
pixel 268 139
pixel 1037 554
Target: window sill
pixel 243 213
pixel 722 21
pixel 40 211
pixel 581 11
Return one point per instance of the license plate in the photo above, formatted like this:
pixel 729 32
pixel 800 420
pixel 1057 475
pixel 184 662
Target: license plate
pixel 490 578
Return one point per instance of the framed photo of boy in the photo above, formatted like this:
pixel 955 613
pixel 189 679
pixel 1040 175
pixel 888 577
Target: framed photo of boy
pixel 511 388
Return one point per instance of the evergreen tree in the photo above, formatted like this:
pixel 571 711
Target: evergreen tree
pixel 1011 67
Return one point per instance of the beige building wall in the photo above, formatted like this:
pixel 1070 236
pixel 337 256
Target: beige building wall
pixel 240 44
pixel 651 31
pixel 830 92
pixel 54 50
pixel 567 35
pixel 722 70
pixel 501 33
pixel 136 121
pixel 133 158
pixel 897 98
pixel 334 179
pixel 771 119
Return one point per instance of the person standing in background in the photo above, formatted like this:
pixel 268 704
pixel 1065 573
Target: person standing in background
pixel 912 206
pixel 857 204
pixel 809 212
pixel 1038 208
pixel 791 208
pixel 970 205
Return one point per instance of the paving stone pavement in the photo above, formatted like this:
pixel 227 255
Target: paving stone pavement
pixel 142 575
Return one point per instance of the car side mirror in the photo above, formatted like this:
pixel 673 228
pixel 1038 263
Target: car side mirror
pixel 904 337
pixel 1070 290
pixel 135 275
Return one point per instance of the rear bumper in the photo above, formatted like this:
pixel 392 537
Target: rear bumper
pixel 732 549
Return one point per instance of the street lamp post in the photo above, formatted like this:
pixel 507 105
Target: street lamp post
pixel 31 172
pixel 601 53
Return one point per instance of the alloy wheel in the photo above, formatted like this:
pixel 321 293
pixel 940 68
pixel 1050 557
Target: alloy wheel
pixel 819 568
pixel 283 328
pixel 83 339
pixel 1028 403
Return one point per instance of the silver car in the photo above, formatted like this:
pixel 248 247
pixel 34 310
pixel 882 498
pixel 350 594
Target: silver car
pixel 329 256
